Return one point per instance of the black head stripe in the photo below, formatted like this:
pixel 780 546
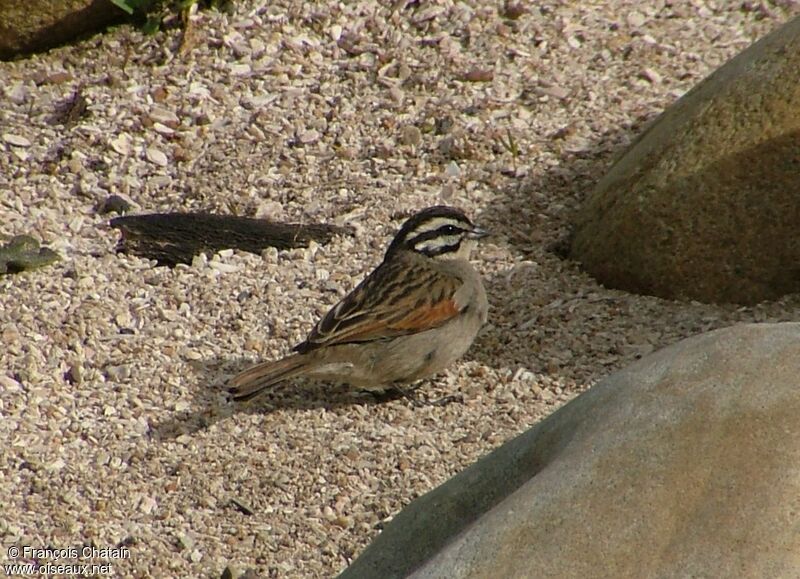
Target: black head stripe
pixel 443 231
pixel 448 217
pixel 441 249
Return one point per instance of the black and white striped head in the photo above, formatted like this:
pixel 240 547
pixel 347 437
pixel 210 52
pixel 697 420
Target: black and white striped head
pixel 439 232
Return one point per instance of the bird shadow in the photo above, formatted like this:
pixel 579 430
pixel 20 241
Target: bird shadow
pixel 211 402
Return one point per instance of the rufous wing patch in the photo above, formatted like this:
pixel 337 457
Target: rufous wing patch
pixel 423 318
pixel 387 304
pixel 427 317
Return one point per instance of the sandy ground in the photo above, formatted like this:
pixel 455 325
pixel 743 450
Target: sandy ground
pixel 116 432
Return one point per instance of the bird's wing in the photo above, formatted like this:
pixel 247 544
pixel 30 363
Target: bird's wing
pixel 403 296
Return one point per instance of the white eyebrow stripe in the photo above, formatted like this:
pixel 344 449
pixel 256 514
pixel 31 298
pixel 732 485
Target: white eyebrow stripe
pixel 436 223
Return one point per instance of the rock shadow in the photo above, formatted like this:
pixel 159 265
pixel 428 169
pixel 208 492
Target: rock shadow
pixel 539 303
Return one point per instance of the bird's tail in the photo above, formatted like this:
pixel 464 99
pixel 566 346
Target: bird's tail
pixel 255 380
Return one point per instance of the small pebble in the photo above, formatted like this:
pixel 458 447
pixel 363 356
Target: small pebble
pixel 411 135
pixel 453 170
pixel 308 137
pixel 165 117
pixel 635 19
pixel 74 374
pixel 479 75
pixel 16 140
pixel 156 156
pixel 121 144
pixel 240 69
pixel 18 93
pixel 185 541
pixel 558 92
pixel 651 75
pixel 114 204
pixel 147 505
pixel 223 267
pixel 163 129
pixel 118 373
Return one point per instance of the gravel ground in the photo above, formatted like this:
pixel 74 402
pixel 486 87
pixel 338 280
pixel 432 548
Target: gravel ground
pixel 115 425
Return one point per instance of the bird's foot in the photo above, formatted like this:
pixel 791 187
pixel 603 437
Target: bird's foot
pixel 410 393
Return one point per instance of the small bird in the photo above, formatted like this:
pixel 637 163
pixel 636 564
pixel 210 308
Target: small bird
pixel 414 315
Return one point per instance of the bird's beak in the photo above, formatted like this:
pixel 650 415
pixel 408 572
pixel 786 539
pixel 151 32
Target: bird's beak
pixel 477 232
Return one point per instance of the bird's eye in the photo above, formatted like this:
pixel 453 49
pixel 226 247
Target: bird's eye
pixel 450 230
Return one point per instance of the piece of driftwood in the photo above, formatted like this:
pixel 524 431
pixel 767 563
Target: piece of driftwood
pixel 172 238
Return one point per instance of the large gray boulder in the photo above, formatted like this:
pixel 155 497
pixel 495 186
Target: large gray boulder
pixel 706 203
pixel 685 464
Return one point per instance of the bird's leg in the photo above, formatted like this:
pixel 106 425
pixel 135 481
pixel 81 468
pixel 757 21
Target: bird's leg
pixel 396 391
pixel 393 392
pixel 445 400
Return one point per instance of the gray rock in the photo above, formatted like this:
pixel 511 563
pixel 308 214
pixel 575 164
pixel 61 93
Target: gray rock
pixel 22 253
pixel 685 464
pixel 704 204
